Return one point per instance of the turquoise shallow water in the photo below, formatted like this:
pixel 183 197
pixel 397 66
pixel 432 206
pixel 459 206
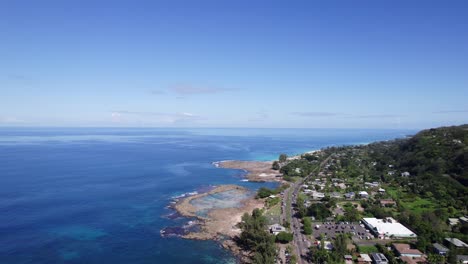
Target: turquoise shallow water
pixel 94 195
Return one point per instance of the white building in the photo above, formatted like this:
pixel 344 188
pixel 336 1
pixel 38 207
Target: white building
pixel 276 229
pixel 363 194
pixel 388 227
pixel 405 174
pixel 318 195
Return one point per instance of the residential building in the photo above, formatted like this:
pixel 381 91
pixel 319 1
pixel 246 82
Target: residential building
pixel 363 194
pixel 462 259
pixel 410 260
pixel 405 174
pixel 336 195
pixel 405 250
pixel 387 203
pixel 364 259
pixel 456 242
pixel 440 249
pixel 317 195
pixel 379 258
pixel 349 195
pixel 453 221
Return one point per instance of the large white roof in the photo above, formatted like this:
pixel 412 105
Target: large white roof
pixel 388 228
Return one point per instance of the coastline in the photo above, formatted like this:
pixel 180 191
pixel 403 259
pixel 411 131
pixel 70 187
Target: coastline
pixel 220 224
pixel 256 171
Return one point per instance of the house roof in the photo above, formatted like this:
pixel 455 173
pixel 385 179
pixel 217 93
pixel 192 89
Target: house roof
pixel 456 242
pixel 411 260
pixel 439 247
pixel 379 257
pixel 389 201
pixel 406 249
pixel 277 227
pixel 365 257
pixel 388 227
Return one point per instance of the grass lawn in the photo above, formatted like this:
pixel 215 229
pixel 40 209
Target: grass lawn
pixel 368 249
pixel 418 205
pixel 411 202
pixel 273 214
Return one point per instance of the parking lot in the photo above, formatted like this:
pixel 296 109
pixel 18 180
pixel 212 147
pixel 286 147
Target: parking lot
pixel 331 229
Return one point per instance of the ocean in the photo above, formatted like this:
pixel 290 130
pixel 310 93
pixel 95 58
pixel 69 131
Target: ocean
pixel 101 195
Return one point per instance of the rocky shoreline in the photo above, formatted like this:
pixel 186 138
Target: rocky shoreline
pixel 221 224
pixel 257 171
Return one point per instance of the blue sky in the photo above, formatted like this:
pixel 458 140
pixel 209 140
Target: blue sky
pixel 325 64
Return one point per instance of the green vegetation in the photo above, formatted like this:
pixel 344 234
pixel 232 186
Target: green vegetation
pixel 367 249
pixel 275 165
pixel 307 226
pixel 351 213
pixel 319 211
pixel 298 168
pixel 256 239
pixel 424 174
pixel 321 255
pixel 283 158
pixel 284 237
pixel 264 192
pixel 272 202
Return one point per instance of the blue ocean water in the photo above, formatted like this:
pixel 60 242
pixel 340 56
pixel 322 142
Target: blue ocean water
pixel 99 195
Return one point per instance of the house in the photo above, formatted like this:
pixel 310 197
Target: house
pixel 317 195
pixel 379 258
pixel 335 195
pixel 276 229
pixel 439 249
pixel 348 259
pixel 381 190
pixel 405 174
pixel 410 260
pixel 391 172
pixel 363 194
pixel 364 259
pixel 349 195
pixel 456 242
pixel 272 196
pixel 372 184
pixel 405 250
pixel 462 259
pixel 326 244
pixel 340 185
pixel 464 219
pixel 453 221
pixel 387 203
